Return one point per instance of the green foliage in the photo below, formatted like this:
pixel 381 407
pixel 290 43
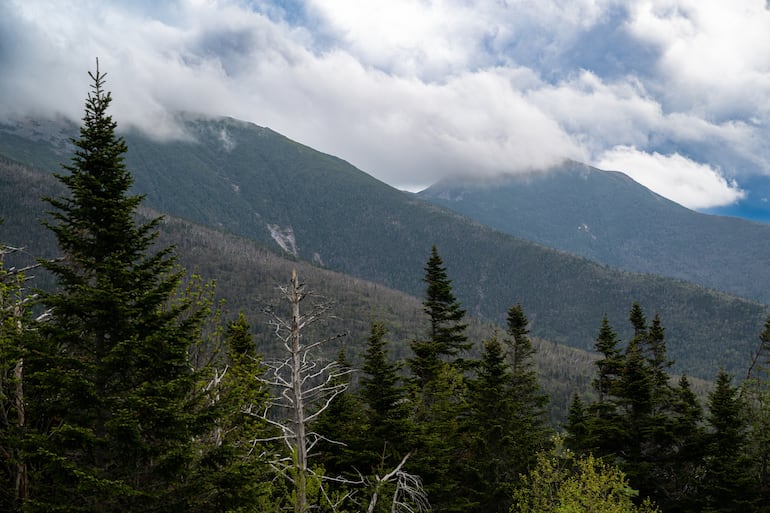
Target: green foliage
pixel 231 474
pixel 561 482
pixel 648 427
pixel 609 218
pixel 727 484
pixel 15 323
pixel 111 396
pixel 446 337
pixel 387 438
pixel 506 423
pixel 247 188
pixel 756 393
pixel 439 391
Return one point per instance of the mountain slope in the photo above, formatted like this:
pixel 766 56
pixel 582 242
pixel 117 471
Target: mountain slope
pixel 251 181
pixel 607 217
pixel 247 277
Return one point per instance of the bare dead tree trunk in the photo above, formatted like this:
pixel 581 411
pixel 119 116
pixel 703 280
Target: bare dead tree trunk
pixel 299 404
pixel 306 387
pixel 301 385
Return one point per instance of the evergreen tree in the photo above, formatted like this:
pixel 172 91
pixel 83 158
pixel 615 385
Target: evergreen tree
pixel 387 438
pixel 648 427
pixel 441 443
pixel 681 476
pixel 109 379
pixel 638 320
pixel 342 426
pixel 603 429
pixel 492 469
pixel 756 393
pixel 440 393
pixel 231 475
pixel 447 338
pixel 727 484
pixel 506 422
pixel 576 428
pixel 529 414
pixel 15 323
pixel 610 366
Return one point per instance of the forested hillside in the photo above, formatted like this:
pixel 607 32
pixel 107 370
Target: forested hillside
pixel 122 387
pixel 247 275
pixel 251 181
pixel 609 218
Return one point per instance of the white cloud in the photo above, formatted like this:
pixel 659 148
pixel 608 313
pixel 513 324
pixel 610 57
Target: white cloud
pixel 678 178
pixel 712 54
pixel 412 91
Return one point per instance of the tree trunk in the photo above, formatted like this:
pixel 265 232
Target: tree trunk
pixel 300 480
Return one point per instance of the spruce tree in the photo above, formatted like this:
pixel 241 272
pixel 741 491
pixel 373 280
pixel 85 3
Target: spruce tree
pixel 727 484
pixel 446 338
pixel 231 475
pixel 342 426
pixel 529 415
pixel 648 427
pixel 16 325
pixel 684 463
pixel 576 428
pixel 603 430
pixel 388 436
pixel 439 392
pixel 492 468
pixel 506 422
pixel 109 378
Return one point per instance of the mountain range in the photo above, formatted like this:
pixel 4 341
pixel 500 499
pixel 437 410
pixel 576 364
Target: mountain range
pixel 608 217
pixel 251 182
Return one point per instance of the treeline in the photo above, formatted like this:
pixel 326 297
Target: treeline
pixel 123 389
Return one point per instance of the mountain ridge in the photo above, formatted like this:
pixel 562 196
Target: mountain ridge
pixel 243 179
pixel 609 218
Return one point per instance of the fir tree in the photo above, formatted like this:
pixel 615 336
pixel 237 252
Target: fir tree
pixel 727 484
pixel 342 426
pixel 388 436
pixel 684 464
pixel 576 428
pixel 492 468
pixel 15 326
pixel 231 475
pixel 756 393
pixel 529 414
pixel 109 379
pixel 447 338
pixel 439 392
pixel 506 424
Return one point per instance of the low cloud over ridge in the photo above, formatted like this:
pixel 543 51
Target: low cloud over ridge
pixel 411 92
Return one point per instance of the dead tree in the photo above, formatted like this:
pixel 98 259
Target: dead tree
pixel 304 388
pixel 13 306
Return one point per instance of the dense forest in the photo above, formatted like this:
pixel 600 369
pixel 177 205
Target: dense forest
pixel 123 388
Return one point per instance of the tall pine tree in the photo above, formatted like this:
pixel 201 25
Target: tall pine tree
pixel 447 338
pixel 388 436
pixel 727 484
pixel 109 381
pixel 506 423
pixel 439 392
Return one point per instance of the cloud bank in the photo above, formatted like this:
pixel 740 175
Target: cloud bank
pixel 673 92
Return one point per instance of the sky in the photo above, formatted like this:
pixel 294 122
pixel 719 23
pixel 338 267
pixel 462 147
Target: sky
pixel 675 93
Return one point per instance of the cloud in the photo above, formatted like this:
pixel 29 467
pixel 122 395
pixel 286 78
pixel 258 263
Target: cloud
pixel 711 60
pixel 687 182
pixel 413 91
